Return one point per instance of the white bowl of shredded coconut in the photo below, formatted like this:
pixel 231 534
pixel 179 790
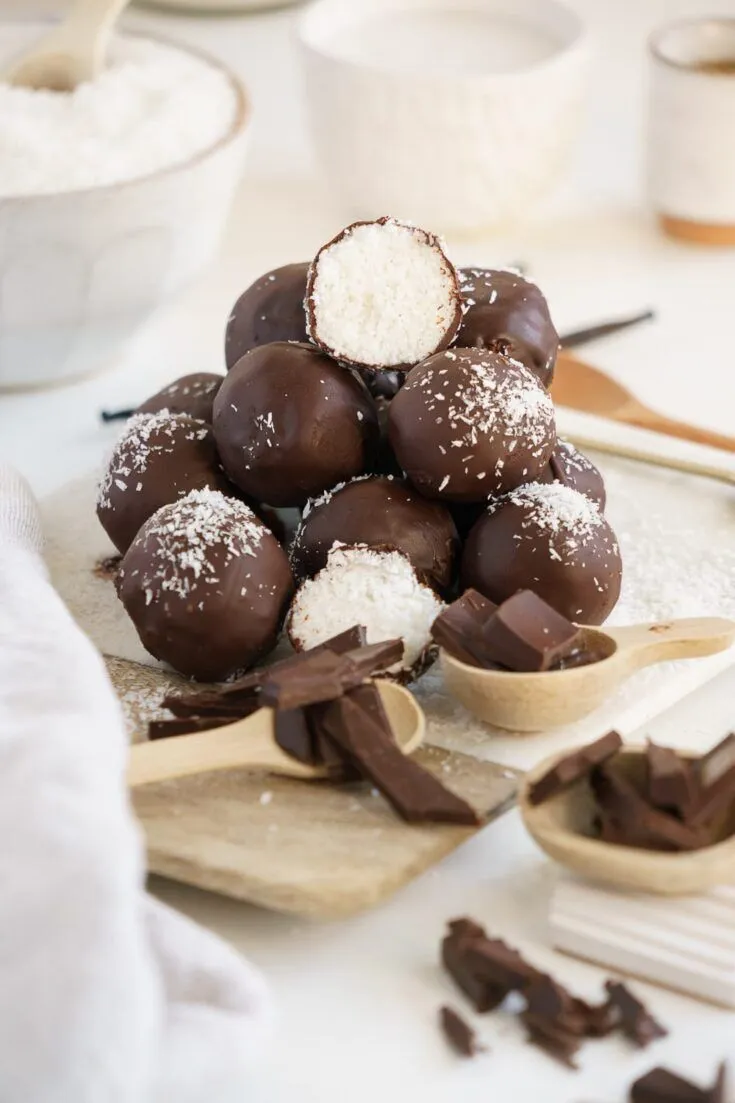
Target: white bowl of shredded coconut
pixel 111 199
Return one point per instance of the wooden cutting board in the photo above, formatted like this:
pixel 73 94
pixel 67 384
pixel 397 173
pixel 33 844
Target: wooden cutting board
pixel 311 849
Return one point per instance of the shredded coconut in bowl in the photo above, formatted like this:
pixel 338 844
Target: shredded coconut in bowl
pixel 153 107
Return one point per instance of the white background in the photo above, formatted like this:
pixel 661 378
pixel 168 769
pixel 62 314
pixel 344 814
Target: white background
pixel 358 999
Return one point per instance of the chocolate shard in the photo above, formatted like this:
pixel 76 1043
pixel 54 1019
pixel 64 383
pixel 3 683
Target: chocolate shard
pixel 482 993
pixel 293 735
pixel 626 812
pixel 526 634
pixel 164 729
pixel 315 678
pixel 458 628
pixel 574 768
pixel 500 965
pixel 415 794
pixel 557 1042
pixel 372 659
pixel 670 781
pixel 636 1022
pixel 210 703
pixel 549 1001
pixel 715 775
pixel 660 1085
pixel 460 1035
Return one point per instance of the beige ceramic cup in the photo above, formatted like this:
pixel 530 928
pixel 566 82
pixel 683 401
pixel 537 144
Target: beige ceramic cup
pixel 691 135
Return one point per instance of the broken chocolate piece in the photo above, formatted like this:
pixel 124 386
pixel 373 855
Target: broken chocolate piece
pixel 164 729
pixel 348 640
pixel 463 935
pixel 549 1001
pixel 625 812
pixel 293 735
pixel 670 784
pixel 500 965
pixel 574 768
pixel 525 634
pixel 459 629
pixel 324 675
pixel 460 1035
pixel 636 1022
pixel 662 1086
pixel 211 703
pixel 413 792
pixel 557 1042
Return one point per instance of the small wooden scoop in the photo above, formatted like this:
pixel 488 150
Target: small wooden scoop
pixel 250 744
pixel 73 52
pixel 562 827
pixel 581 387
pixel 535 702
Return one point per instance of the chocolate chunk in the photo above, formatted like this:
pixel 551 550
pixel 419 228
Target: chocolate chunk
pixel 352 638
pixel 416 795
pixel 458 629
pixel 460 1035
pixel 163 729
pixel 549 1001
pixel 373 658
pixel 636 1021
pixel 574 767
pixel 500 965
pixel 323 675
pixel 557 1042
pixel 525 634
pixel 463 936
pixel 211 703
pixel 662 1086
pixel 627 813
pixel 670 783
pixel 293 735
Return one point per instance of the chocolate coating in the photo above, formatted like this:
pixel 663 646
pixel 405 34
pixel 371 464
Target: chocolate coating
pixel 505 307
pixel 549 539
pixel 159 458
pixel 206 585
pixel 192 395
pixel 469 424
pixel 290 423
pixel 272 309
pixel 380 513
pixel 572 468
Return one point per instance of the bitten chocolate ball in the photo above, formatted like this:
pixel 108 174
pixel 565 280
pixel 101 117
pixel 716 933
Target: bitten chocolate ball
pixel 549 539
pixel 272 309
pixel 290 423
pixel 159 458
pixel 505 311
pixel 379 513
pixel 382 294
pixel 572 468
pixel 469 424
pixel 377 589
pixel 206 586
pixel 192 395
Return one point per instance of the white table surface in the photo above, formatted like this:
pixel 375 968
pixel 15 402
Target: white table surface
pixel 358 999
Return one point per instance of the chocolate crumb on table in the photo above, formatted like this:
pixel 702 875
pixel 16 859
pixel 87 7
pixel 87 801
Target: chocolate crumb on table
pixel 636 1022
pixel 660 1085
pixel 460 1035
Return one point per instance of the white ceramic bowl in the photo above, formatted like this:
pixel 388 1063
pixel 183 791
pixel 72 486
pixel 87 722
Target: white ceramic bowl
pixel 81 271
pixel 456 116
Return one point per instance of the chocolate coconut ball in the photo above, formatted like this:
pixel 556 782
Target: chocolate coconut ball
pixel 382 295
pixel 159 458
pixel 382 513
pixel 290 423
pixel 206 586
pixel 505 311
pixel 272 309
pixel 192 395
pixel 469 424
pixel 549 539
pixel 377 589
pixel 572 468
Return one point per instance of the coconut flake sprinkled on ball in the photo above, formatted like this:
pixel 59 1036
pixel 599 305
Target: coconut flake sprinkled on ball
pixel 469 424
pixel 379 589
pixel 206 585
pixel 383 294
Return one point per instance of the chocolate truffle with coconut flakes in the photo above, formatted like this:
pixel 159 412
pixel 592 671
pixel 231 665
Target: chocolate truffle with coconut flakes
pixel 382 295
pixel 271 309
pixel 159 458
pixel 505 311
pixel 549 539
pixel 470 424
pixel 375 588
pixel 206 585
pixel 379 512
pixel 192 395
pixel 572 468
pixel 290 423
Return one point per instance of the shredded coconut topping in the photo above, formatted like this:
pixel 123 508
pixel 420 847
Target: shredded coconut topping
pixel 145 435
pixel 180 538
pixel 556 509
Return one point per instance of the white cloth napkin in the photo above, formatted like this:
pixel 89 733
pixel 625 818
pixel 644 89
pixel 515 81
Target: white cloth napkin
pixel 106 996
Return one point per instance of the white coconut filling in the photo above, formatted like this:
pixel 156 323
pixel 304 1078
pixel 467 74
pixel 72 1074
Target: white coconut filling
pixel 383 294
pixel 378 589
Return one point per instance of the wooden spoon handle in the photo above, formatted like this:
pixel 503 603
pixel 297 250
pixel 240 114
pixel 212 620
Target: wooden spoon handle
pixel 649 419
pixel 692 638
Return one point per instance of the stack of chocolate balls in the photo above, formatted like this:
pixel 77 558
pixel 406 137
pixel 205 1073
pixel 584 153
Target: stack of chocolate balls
pixel 401 406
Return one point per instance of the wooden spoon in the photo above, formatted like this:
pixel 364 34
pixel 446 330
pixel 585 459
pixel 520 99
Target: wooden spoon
pixel 535 702
pixel 250 744
pixel 562 827
pixel 581 387
pixel 73 52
